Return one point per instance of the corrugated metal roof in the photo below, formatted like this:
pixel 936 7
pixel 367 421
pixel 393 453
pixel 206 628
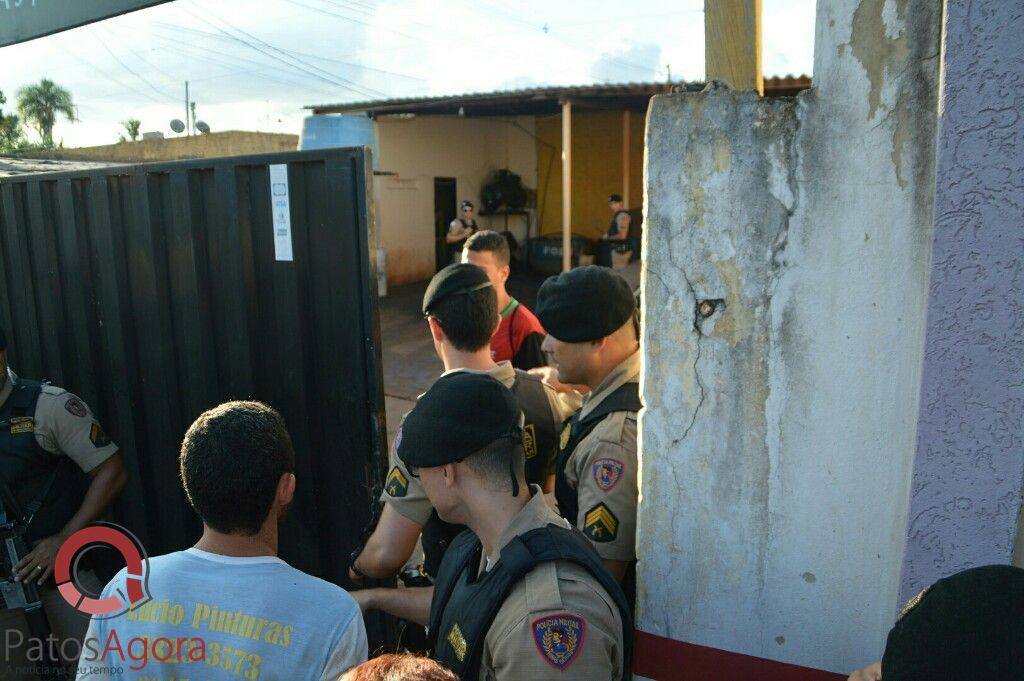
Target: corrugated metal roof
pixel 542 95
pixel 10 165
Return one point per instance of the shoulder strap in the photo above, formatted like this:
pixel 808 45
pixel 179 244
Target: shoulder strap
pixel 625 398
pixel 462 550
pixel 24 396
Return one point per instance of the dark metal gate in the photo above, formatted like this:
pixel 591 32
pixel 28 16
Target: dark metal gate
pixel 156 292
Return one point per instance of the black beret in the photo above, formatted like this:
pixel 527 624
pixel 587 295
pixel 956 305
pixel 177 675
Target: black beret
pixel 584 304
pixel 461 414
pixel 3 340
pixel 614 197
pixel 968 626
pixel 454 279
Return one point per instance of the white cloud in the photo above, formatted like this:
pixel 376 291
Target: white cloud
pixel 366 49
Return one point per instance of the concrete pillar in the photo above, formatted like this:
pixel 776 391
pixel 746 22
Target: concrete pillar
pixel 969 469
pixel 785 272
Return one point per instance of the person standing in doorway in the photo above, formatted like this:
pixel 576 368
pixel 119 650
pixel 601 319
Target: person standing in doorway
pixel 460 229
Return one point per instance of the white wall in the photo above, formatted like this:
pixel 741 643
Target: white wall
pixel 782 427
pixel 425 147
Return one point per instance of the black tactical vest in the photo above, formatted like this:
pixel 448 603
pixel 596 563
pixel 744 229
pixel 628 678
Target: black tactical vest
pixel 625 398
pixel 539 442
pixel 465 603
pixel 38 479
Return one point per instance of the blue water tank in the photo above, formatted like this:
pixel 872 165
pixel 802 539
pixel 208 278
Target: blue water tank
pixel 328 131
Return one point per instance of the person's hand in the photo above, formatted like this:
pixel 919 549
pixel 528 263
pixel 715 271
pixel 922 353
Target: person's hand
pixel 365 599
pixel 38 563
pixel 873 672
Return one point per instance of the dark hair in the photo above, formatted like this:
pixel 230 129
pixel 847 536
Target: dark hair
pixel 466 204
pixel 405 667
pixel 496 462
pixel 232 458
pixel 490 242
pixel 468 319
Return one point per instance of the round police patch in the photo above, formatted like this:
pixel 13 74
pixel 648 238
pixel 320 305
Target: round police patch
pixel 559 638
pixel 75 407
pixel 607 473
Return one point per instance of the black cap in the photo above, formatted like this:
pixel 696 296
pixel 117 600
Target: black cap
pixel 466 204
pixel 968 626
pixel 454 280
pixel 584 304
pixel 614 197
pixel 3 340
pixel 461 414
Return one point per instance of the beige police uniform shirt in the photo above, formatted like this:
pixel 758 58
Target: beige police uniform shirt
pixel 64 425
pixel 558 622
pixel 405 493
pixel 603 471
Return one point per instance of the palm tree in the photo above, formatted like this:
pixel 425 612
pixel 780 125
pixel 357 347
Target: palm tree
pixel 10 130
pixel 132 126
pixel 39 105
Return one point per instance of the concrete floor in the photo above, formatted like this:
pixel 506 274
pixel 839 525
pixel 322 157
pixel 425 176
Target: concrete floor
pixel 410 363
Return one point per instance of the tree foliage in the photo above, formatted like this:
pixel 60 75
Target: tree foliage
pixel 132 127
pixel 40 104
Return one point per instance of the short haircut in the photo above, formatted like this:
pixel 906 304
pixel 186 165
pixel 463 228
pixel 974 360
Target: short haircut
pixel 468 319
pixel 491 242
pixel 495 463
pixel 404 667
pixel 232 459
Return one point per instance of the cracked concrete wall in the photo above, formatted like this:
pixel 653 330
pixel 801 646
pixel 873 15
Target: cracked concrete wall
pixel 968 473
pixel 780 415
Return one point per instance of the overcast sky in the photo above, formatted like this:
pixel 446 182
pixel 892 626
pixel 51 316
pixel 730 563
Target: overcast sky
pixel 253 64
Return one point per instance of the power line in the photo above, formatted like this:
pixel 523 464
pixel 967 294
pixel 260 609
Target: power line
pixel 130 69
pixel 302 65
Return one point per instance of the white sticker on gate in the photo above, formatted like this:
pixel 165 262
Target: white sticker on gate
pixel 281 211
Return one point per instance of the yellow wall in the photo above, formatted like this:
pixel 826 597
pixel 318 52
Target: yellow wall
pixel 596 169
pixel 229 143
pixel 422 148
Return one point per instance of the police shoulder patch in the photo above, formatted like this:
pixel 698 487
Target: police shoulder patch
pixel 559 638
pixel 607 473
pixel 600 524
pixel 98 437
pixel 530 440
pixel 397 485
pixel 75 407
pixel 566 434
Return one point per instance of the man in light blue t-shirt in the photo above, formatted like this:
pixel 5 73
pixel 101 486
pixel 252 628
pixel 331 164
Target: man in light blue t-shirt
pixel 229 608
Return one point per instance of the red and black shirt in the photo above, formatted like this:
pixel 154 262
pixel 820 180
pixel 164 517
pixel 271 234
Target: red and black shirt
pixel 518 338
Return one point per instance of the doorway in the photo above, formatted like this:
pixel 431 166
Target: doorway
pixel 444 212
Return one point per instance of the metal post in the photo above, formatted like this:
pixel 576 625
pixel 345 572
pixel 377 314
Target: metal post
pixel 188 128
pixel 566 185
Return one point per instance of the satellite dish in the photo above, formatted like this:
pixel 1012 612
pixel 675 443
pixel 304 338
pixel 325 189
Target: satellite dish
pixel 177 126
pixel 202 127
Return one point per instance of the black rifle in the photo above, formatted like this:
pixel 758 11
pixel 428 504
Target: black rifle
pixel 23 595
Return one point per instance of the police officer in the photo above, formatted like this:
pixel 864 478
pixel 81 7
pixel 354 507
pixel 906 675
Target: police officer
pixel 460 304
pixel 47 437
pixel 522 595
pixel 590 316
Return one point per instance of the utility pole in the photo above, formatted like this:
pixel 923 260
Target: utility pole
pixel 188 127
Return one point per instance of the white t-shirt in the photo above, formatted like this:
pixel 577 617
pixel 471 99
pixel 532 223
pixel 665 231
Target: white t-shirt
pixel 232 618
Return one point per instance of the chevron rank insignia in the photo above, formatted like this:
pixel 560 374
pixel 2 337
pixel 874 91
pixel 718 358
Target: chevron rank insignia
pixel 98 437
pixel 458 642
pixel 559 638
pixel 397 485
pixel 530 440
pixel 600 524
pixel 566 434
pixel 607 473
